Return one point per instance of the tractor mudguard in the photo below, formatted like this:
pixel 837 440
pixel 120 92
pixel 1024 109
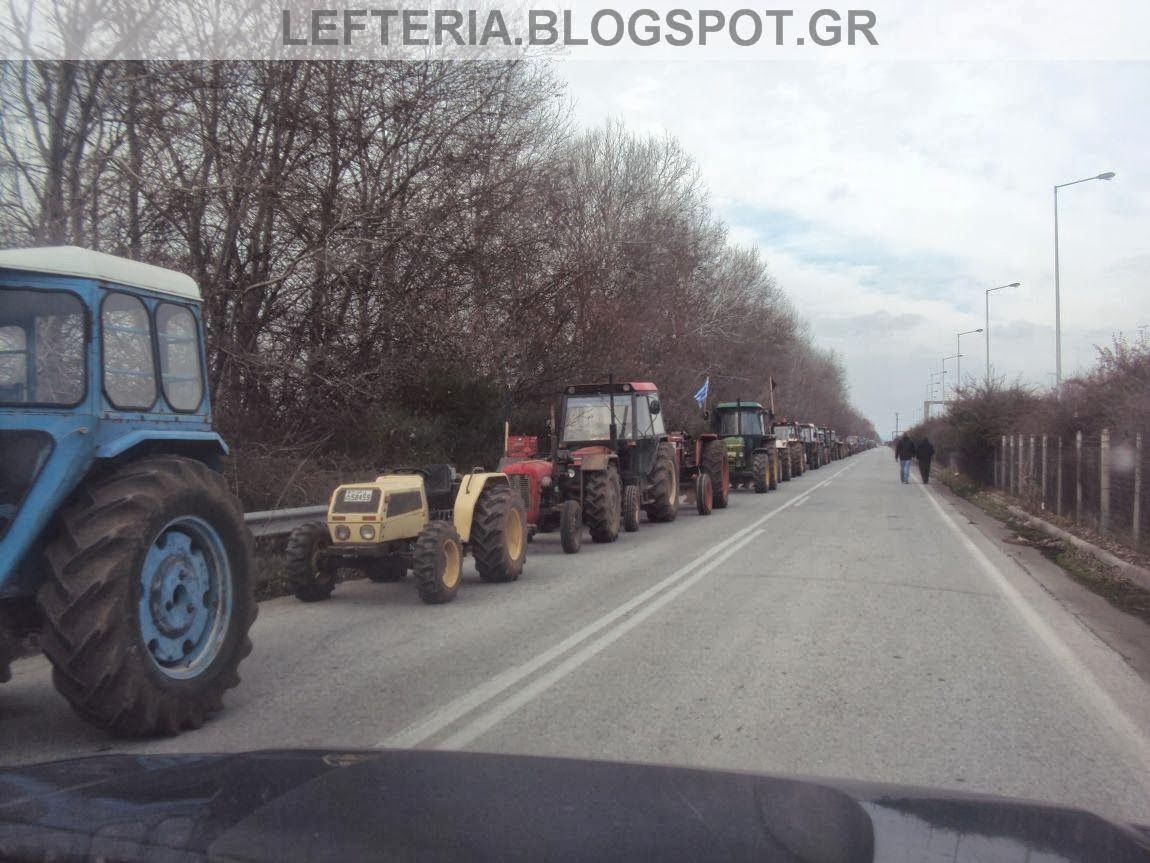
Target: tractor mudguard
pixel 470 489
pixel 595 461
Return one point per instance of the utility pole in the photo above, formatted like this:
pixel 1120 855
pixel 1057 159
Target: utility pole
pixel 896 423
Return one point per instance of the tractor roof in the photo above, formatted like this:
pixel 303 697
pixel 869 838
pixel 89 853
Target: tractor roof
pixel 734 405
pixel 620 387
pixel 86 264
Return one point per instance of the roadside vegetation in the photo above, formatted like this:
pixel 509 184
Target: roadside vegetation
pixel 396 257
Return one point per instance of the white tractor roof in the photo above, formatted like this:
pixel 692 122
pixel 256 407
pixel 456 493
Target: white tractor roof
pixel 86 264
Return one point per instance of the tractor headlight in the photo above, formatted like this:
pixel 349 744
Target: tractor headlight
pixel 570 473
pixel 367 531
pixel 342 532
pixel 545 482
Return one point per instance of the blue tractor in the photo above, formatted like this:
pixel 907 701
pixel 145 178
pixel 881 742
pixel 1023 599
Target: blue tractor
pixel 120 543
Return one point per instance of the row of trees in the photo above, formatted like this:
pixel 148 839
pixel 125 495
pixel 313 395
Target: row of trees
pixel 395 256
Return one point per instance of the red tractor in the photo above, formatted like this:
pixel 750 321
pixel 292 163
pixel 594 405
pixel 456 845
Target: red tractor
pixel 610 459
pixel 704 472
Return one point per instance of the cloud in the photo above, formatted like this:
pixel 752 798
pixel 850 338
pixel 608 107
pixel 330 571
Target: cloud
pixel 898 192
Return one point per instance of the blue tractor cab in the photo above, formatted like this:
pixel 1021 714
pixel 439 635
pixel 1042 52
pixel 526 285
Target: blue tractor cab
pixel 119 540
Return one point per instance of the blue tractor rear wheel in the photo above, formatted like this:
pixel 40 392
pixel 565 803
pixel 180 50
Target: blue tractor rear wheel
pixel 148 599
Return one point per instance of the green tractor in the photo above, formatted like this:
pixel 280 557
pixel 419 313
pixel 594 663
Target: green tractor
pixel 751 453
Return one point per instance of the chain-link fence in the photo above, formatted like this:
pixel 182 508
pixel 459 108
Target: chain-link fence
pixel 1094 479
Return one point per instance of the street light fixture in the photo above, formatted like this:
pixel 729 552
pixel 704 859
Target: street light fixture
pixel 989 291
pixel 1107 175
pixel 958 353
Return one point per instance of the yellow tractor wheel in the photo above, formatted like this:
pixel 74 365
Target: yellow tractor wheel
pixel 499 534
pixel 437 562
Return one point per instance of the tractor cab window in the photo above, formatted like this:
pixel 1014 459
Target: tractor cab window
pixel 179 344
pixel 646 423
pixel 740 422
pixel 588 418
pixel 129 366
pixel 785 432
pixel 42 341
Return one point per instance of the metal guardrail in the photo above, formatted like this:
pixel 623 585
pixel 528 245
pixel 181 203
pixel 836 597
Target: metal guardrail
pixel 274 522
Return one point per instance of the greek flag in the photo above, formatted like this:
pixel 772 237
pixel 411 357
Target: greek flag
pixel 701 395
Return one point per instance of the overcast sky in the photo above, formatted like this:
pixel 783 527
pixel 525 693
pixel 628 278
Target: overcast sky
pixel 888 194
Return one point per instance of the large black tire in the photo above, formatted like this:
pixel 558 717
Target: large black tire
pixel 437 562
pixel 126 548
pixel 786 461
pixel 713 460
pixel 762 469
pixel 602 503
pixel 310 580
pixel 571 526
pixel 664 486
pixel 389 569
pixel 631 508
pixel 499 534
pixel 704 493
pixel 773 457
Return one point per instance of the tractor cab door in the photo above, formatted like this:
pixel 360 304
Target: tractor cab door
pixel 649 431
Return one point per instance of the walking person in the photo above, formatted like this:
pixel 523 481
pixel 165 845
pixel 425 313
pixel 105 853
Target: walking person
pixel 904 453
pixel 925 452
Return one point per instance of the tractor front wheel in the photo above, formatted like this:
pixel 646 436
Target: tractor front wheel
pixel 704 493
pixel 148 600
pixel 631 508
pixel 499 534
pixel 602 491
pixel 571 526
pixel 714 462
pixel 311 579
pixel 764 475
pixel 664 485
pixel 437 562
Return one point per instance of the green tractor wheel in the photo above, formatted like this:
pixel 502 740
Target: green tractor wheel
pixel 499 534
pixel 437 562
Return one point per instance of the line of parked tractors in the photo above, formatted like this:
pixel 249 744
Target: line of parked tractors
pixel 125 555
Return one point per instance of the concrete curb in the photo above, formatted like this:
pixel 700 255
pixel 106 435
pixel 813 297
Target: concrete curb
pixel 1134 573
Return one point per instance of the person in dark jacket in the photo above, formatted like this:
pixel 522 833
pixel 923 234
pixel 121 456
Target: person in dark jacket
pixel 903 453
pixel 925 452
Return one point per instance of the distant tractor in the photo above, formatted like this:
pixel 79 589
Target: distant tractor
pixel 814 447
pixel 422 519
pixel 751 451
pixel 120 544
pixel 790 447
pixel 611 460
pixel 704 470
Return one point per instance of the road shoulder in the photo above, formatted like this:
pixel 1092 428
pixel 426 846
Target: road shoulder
pixel 1124 633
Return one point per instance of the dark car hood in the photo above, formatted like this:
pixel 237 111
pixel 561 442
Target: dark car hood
pixel 418 805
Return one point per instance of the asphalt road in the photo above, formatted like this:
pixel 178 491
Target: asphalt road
pixel 846 625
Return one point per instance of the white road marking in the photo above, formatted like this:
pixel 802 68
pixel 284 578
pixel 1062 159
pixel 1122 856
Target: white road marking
pixel 1085 681
pixel 439 719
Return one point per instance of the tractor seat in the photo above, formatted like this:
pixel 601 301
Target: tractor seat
pixel 438 480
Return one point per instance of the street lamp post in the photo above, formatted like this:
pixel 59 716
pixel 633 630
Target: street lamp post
pixel 944 359
pixel 958 356
pixel 1108 175
pixel 989 291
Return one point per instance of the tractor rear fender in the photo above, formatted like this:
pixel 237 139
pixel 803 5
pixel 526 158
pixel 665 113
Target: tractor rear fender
pixel 470 489
pixel 597 461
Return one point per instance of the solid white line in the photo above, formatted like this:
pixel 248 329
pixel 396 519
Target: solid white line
pixel 800 501
pixel 1083 679
pixel 453 711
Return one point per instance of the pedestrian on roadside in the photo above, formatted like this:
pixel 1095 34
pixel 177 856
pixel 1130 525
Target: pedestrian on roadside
pixel 904 453
pixel 925 452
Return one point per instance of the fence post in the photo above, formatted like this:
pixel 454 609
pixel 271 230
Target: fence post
pixel 1018 464
pixel 1137 487
pixel 1001 479
pixel 1045 465
pixel 1104 482
pixel 1058 478
pixel 1030 479
pixel 1078 477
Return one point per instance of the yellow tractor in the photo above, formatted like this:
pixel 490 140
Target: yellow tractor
pixel 422 519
